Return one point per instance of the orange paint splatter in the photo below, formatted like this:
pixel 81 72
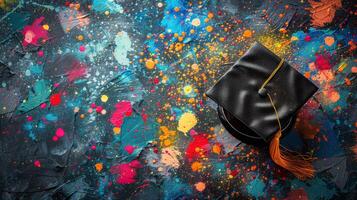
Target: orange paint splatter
pixel 196 166
pixel 99 167
pixel 216 148
pixel 247 34
pixel 329 40
pixel 323 11
pixel 200 186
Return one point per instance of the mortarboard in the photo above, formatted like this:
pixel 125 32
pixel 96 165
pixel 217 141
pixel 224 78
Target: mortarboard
pixel 258 98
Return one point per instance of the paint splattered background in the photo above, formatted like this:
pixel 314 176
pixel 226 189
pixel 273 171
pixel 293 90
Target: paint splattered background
pixel 104 99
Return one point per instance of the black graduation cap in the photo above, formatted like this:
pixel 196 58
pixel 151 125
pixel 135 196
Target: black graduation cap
pixel 258 98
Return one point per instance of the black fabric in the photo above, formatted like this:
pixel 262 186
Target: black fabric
pixel 237 91
pixel 242 132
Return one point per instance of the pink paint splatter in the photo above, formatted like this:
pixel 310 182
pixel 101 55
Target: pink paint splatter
pixel 55 138
pixel 32 33
pixel 37 163
pixel 29 118
pixel 126 172
pixel 198 147
pixel 59 132
pixel 82 48
pixel 130 149
pixel 40 53
pixel 123 109
pixel 322 62
pixel 78 70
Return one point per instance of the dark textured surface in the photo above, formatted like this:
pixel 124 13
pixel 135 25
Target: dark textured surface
pixel 105 99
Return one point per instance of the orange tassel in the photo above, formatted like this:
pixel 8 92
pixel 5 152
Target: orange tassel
pixel 299 165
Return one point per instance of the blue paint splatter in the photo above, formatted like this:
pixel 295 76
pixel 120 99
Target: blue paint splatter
pixel 256 188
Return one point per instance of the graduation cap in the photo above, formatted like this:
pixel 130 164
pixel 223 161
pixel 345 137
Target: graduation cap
pixel 258 98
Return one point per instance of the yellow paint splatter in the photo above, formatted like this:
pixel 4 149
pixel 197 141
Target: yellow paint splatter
pixel 186 122
pixel 150 64
pixel 167 136
pixel 209 28
pixel 187 89
pixel 80 37
pixel 104 98
pixel 116 130
pixel 46 27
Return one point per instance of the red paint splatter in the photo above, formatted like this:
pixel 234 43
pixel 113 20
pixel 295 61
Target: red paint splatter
pixel 322 62
pixel 37 163
pixel 123 109
pixel 198 147
pixel 55 99
pixel 32 33
pixel 156 81
pixel 59 132
pixel 126 172
pixel 144 116
pixel 78 70
pixel 99 109
pixel 130 149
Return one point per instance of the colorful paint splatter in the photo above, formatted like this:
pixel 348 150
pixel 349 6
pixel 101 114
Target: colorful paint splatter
pixel 104 99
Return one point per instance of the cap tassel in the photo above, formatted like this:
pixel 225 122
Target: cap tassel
pixel 300 165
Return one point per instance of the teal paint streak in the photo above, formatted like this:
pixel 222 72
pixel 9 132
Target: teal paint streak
pixel 36 69
pixel 51 117
pixel 256 188
pixel 175 189
pixel 137 133
pixel 18 21
pixel 106 5
pixel 37 95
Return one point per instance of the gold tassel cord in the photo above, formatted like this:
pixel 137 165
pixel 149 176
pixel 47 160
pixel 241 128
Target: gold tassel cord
pixel 300 165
